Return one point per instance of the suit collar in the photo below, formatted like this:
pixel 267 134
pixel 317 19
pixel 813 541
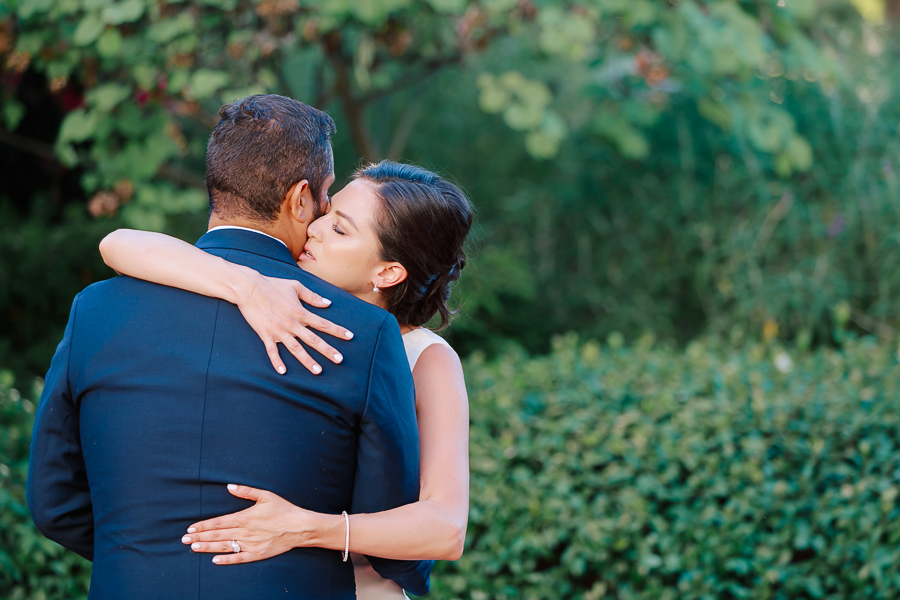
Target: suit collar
pixel 253 242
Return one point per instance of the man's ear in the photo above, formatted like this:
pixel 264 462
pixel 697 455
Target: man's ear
pixel 300 203
pixel 390 275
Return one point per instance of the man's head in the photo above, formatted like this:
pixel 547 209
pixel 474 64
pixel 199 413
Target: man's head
pixel 269 160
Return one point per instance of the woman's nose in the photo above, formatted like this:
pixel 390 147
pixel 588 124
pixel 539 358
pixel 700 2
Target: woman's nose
pixel 315 228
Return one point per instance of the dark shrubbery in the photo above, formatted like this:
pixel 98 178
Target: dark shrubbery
pixel 31 566
pixel 640 472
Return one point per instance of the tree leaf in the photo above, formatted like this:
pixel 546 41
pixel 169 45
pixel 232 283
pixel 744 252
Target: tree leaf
pixel 29 8
pixel 13 111
pixel 77 126
pixel 206 82
pixel 110 43
pixel 106 97
pixel 88 30
pixel 448 6
pixel 126 11
pixel 169 28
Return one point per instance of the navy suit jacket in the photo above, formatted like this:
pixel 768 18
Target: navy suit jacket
pixel 157 398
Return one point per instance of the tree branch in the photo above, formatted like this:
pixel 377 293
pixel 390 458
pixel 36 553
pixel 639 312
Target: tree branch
pixel 354 110
pixel 174 174
pixel 42 149
pixel 429 69
pixel 404 128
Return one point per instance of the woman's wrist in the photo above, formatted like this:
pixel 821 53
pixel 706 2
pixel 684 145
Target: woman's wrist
pixel 317 530
pixel 241 284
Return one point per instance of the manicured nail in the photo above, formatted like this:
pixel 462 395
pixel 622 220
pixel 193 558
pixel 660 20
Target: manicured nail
pixel 186 539
pixel 281 370
pixel 192 529
pixel 338 357
pixel 348 335
pixel 326 301
pixel 231 487
pixel 195 546
pixel 217 560
pixel 317 369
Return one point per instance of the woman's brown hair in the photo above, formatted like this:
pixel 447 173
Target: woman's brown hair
pixel 422 224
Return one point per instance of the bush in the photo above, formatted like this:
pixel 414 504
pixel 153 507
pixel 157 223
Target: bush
pixel 31 566
pixel 604 472
pixel 711 473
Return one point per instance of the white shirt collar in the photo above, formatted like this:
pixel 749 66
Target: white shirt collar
pixel 247 229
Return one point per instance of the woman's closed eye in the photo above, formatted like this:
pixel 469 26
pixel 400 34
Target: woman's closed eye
pixel 337 229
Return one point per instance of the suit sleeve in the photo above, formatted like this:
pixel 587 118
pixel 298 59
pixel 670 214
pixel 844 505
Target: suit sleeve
pixel 387 474
pixel 57 491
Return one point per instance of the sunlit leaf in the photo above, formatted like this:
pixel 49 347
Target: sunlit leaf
pixel 28 8
pixel 171 27
pixel 124 11
pixel 205 82
pixel 77 126
pixel 110 43
pixel 88 30
pixel 448 6
pixel 107 96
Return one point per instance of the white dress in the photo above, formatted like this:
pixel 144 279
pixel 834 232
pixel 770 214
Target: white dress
pixel 369 584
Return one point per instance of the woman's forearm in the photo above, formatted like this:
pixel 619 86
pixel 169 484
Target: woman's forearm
pixel 424 530
pixel 169 261
pixel 435 526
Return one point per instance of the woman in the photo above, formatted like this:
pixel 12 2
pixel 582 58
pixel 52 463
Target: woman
pixel 393 237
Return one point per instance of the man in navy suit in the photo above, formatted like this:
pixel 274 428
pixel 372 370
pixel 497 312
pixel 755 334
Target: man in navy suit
pixel 158 398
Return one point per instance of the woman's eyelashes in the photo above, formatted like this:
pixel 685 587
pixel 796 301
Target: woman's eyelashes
pixel 337 229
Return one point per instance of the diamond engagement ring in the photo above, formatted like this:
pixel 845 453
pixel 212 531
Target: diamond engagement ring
pixel 235 546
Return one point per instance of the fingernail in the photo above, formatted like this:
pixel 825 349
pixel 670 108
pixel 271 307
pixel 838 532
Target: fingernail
pixel 231 487
pixel 216 560
pixel 281 370
pixel 186 539
pixel 195 546
pixel 317 369
pixel 192 529
pixel 326 301
pixel 348 335
pixel 338 358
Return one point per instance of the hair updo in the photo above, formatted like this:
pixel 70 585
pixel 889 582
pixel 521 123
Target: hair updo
pixel 422 223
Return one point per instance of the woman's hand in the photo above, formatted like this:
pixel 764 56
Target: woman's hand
pixel 272 308
pixel 270 527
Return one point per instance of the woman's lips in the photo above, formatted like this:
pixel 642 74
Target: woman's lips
pixel 305 255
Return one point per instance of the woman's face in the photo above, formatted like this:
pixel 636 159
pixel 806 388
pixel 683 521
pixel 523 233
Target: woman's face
pixel 342 247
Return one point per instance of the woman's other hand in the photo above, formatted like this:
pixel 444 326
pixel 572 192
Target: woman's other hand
pixel 270 527
pixel 273 308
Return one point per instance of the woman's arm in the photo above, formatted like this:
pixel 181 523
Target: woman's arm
pixel 269 305
pixel 432 528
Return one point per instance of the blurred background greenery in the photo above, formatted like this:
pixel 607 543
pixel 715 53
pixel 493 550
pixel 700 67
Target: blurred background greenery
pixel 715 181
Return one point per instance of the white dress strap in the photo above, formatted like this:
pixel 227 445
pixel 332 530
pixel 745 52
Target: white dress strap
pixel 417 341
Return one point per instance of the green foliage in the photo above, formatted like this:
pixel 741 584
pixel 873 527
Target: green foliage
pixel 641 472
pixel 626 157
pixel 714 472
pixel 41 269
pixel 31 566
pixel 702 234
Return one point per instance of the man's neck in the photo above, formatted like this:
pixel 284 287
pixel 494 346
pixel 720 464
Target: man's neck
pixel 272 229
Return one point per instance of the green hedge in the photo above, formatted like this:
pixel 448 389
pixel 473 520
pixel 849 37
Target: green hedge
pixel 31 566
pixel 707 473
pixel 603 472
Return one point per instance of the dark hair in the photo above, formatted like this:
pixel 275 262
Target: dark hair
pixel 422 223
pixel 262 146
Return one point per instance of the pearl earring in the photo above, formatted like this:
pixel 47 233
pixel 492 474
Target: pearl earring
pixel 375 288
